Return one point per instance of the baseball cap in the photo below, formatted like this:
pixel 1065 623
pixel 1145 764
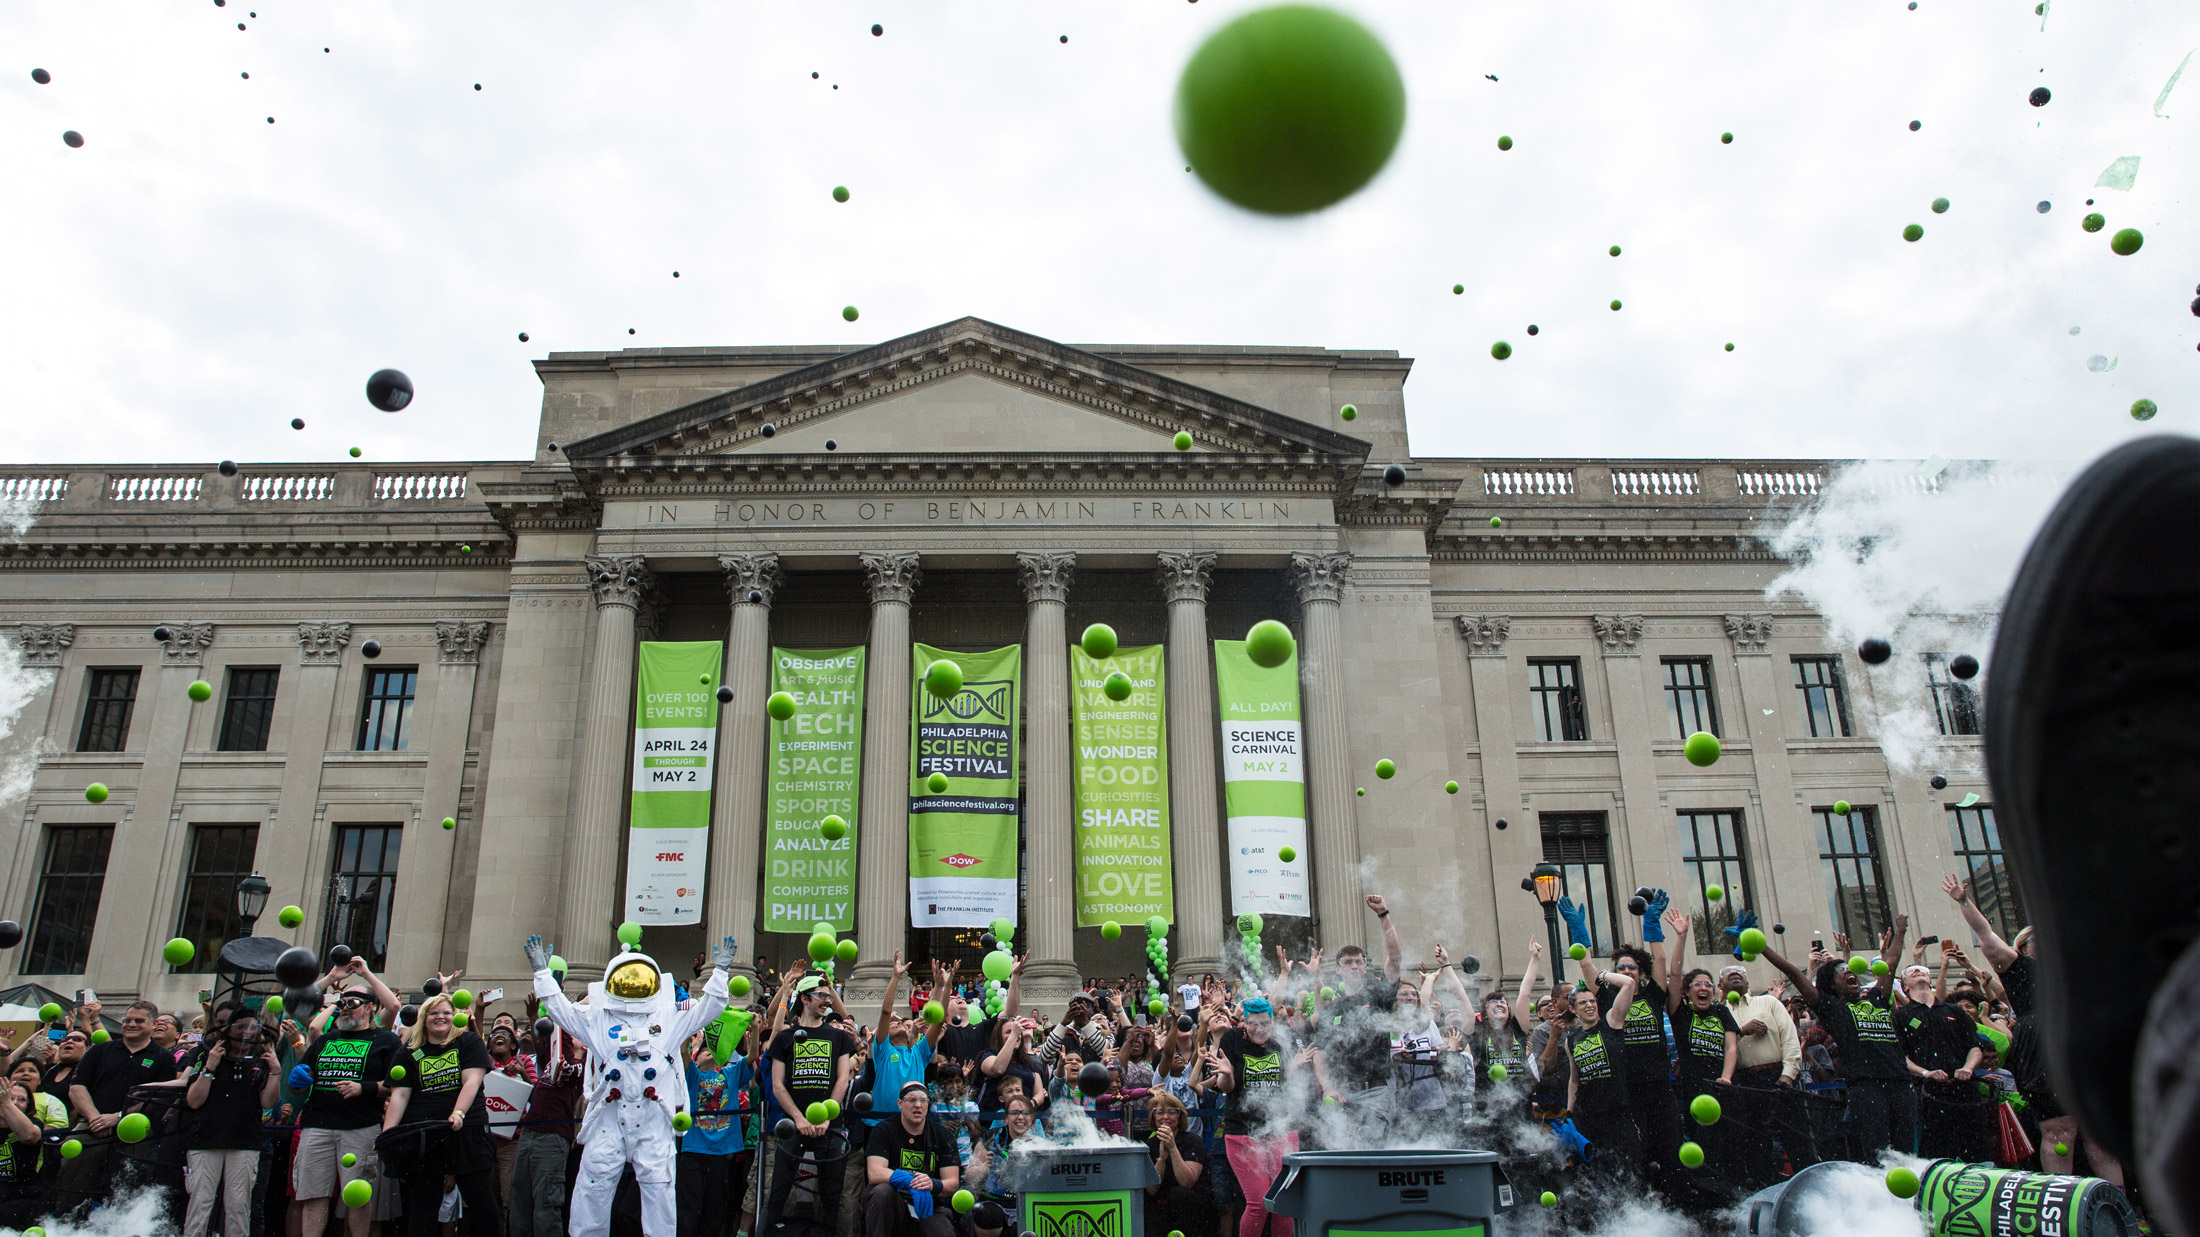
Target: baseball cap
pixel 808 982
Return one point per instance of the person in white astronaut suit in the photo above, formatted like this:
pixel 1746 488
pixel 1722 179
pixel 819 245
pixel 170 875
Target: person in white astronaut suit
pixel 633 1027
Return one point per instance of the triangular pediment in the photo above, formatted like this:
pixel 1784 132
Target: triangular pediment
pixel 968 386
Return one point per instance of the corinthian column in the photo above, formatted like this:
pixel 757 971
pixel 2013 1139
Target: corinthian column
pixel 736 813
pixel 1193 825
pixel 882 860
pixel 1051 975
pixel 589 908
pixel 1320 580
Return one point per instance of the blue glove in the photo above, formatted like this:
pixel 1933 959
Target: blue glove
pixel 301 1077
pixel 1653 917
pixel 1742 923
pixel 1570 1138
pixel 900 1178
pixel 1577 922
pixel 920 1204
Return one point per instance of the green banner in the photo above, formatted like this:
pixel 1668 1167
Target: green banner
pixel 1119 761
pixel 813 770
pixel 962 838
pixel 1263 782
pixel 675 751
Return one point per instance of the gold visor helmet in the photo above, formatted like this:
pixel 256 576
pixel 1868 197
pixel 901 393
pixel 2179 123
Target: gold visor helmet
pixel 633 980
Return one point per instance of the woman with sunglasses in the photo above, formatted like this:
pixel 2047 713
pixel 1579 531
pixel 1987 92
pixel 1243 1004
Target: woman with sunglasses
pixel 444 1069
pixel 1597 1095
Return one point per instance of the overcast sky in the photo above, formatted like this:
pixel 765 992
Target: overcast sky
pixel 193 277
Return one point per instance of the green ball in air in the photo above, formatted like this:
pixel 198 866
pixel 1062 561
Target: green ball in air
pixel 1940 206
pixel 1349 413
pixel 133 1127
pixel 1549 1199
pixel 272 1007
pixel 847 314
pixel 1287 853
pixel 822 946
pixel 1117 686
pixel 1497 521
pixel 100 1035
pixel 997 965
pixel 200 690
pixel 1912 232
pixel 833 827
pixel 178 952
pixel 450 822
pixel 1451 788
pixel 358 1194
pixel 630 934
pixel 1269 644
pixel 557 964
pixel 1691 1155
pixel 1840 807
pixel 815 1112
pixel 2062 1148
pixel 1385 769
pixel 1615 307
pixel 1902 1182
pixel 2126 243
pixel 96 792
pixel 2143 409
pixel 1157 1007
pixel 2094 222
pixel 1111 930
pixel 1701 749
pixel 1859 966
pixel 462 999
pixel 681 1122
pixel 1730 347
pixel 780 706
pixel 832 1108
pixel 1615 251
pixel 1879 966
pixel 1726 139
pixel 1328 993
pixel 1504 143
pixel 1752 942
pixel 943 678
pixel 1577 951
pixel 1459 289
pixel 348 1159
pixel 1713 893
pixel 355 453
pixel 397 1073
pixel 1361 791
pixel 962 1202
pixel 935 1013
pixel 937 783
pixel 71 1149
pixel 1733 997
pixel 1705 1109
pixel 739 985
pixel 846 951
pixel 840 193
pixel 49 1011
pixel 1289 109
pixel 1501 350
pixel 1183 440
pixel 1498 1073
pixel 1098 641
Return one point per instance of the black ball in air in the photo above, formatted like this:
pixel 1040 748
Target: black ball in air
pixel 1637 906
pixel 1094 1079
pixel 389 390
pixel 431 986
pixel 1963 666
pixel 756 597
pixel 523 337
pixel 725 694
pixel 72 139
pixel 877 30
pixel 1939 782
pixel 1394 475
pixel 41 76
pixel 1502 823
pixel 11 934
pixel 227 468
pixel 768 429
pixel 1184 1024
pixel 371 649
pixel 1915 125
pixel 832 444
pixel 860 1101
pixel 296 967
pixel 297 423
pixel 2040 96
pixel 544 1028
pixel 409 1015
pixel 1874 650
pixel 161 634
pixel 1532 330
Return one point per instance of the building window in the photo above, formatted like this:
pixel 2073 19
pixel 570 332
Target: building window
pixel 386 720
pixel 68 898
pixel 362 891
pixel 1554 687
pixel 1688 696
pixel 107 710
pixel 1955 702
pixel 1977 843
pixel 1580 844
pixel 1824 703
pixel 1711 853
pixel 248 710
pixel 221 855
pixel 1849 863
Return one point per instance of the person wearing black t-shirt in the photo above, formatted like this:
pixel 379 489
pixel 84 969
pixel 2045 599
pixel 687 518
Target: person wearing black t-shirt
pixel 1708 1043
pixel 1943 1048
pixel 811 1062
pixel 1252 1068
pixel 1181 1201
pixel 1648 1072
pixel 1355 1030
pixel 962 1041
pixel 1597 1096
pixel 229 1084
pixel 444 1073
pixel 910 1171
pixel 350 1070
pixel 22 1135
pixel 99 1094
pixel 1882 1105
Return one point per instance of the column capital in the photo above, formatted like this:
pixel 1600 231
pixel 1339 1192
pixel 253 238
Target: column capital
pixel 42 644
pixel 460 642
pixel 323 644
pixel 185 644
pixel 1046 575
pixel 1619 633
pixel 649 616
pixel 1185 576
pixel 1749 632
pixel 618 580
pixel 892 577
pixel 1484 633
pixel 751 579
pixel 1320 577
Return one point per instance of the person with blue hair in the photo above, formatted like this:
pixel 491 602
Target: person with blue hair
pixel 1253 1068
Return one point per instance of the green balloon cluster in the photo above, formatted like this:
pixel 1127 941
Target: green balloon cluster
pixel 1157 949
pixel 630 934
pixel 1249 926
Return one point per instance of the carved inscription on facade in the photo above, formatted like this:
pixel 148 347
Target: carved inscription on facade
pixel 963 511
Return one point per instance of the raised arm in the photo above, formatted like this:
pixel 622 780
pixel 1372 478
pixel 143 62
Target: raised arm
pixel 886 1001
pixel 1678 921
pixel 561 1012
pixel 1803 987
pixel 1519 1014
pixel 1393 952
pixel 1890 943
pixel 1998 953
pixel 1014 1001
pixel 1616 1017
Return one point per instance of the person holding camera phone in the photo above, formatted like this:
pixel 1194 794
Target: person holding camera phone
pixel 227 1088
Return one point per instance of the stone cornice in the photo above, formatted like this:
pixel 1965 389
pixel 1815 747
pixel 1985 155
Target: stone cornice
pixel 539 499
pixel 819 475
pixel 1506 546
pixel 257 553
pixel 966 345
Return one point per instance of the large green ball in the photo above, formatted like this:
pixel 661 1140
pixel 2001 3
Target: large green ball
pixel 178 952
pixel 2126 242
pixel 1912 232
pixel 832 1108
pixel 1549 1199
pixel 358 1194
pixel 1505 142
pixel 349 1159
pixel 1940 206
pixel 1098 641
pixel 1269 644
pixel 461 999
pixel 1691 1155
pixel 2143 409
pixel 780 706
pixel 962 1201
pixel 935 1013
pixel 1859 965
pixel 1156 925
pixel 816 1112
pixel 1577 951
pixel 49 1012
pixel 397 1073
pixel 1385 769
pixel 1157 1007
pixel 1840 807
pixel 1183 440
pixel 630 934
pixel 1451 788
pixel 1289 109
pixel 1498 1073
pixel 681 1122
pixel 1712 893
pixel 833 827
pixel 1111 930
pixel 1753 941
pixel 133 1127
pixel 272 1007
pixel 1701 749
pixel 943 678
pixel 739 985
pixel 937 783
pixel 1349 413
pixel 1501 350
pixel 100 1035
pixel 840 193
pixel 1705 1109
pixel 997 965
pixel 71 1149
pixel 849 313
pixel 96 792
pixel 822 946
pixel 1287 853
pixel 1879 966
pixel 2093 222
pixel 290 916
pixel 1004 928
pixel 846 951
pixel 1117 686
pixel 1902 1182
pixel 200 690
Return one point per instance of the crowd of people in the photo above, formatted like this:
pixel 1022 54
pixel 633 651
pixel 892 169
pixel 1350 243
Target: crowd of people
pixel 808 1118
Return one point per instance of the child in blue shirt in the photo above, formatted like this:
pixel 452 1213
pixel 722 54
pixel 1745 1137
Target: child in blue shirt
pixel 718 1101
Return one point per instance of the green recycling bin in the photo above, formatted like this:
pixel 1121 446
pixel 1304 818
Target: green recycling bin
pixel 1350 1193
pixel 1082 1192
pixel 1958 1199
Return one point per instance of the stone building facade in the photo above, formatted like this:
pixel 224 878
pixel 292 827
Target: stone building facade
pixel 967 486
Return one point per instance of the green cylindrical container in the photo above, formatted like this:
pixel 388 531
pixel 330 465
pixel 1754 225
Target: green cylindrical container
pixel 1087 1192
pixel 1960 1199
pixel 1351 1193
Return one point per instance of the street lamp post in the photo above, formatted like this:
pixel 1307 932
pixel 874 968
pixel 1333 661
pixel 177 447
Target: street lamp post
pixel 251 901
pixel 1543 883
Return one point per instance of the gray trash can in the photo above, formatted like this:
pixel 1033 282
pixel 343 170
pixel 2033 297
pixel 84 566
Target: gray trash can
pixel 1082 1192
pixel 1346 1193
